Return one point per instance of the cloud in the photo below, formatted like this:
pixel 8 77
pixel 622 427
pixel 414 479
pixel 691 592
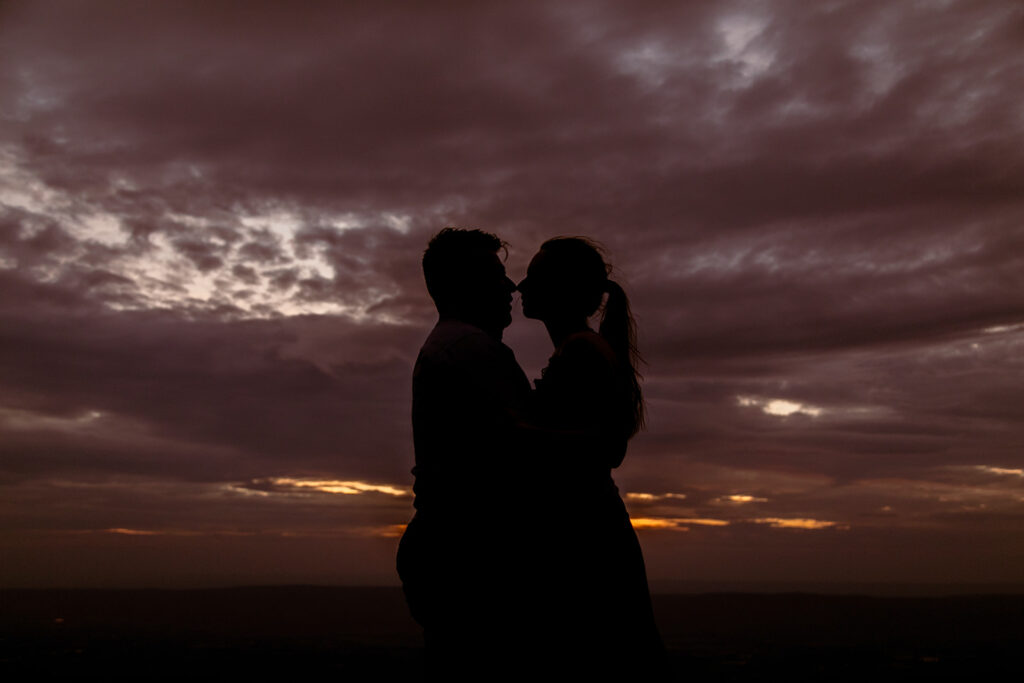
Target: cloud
pixel 798 523
pixel 209 251
pixel 648 497
pixel 675 523
pixel 329 486
pixel 739 499
pixel 778 406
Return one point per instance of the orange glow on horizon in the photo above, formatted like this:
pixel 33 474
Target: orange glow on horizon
pixel 647 497
pixel 122 531
pixel 703 521
pixel 796 523
pixel 389 531
pixel 675 523
pixel 348 488
pixel 656 523
pixel 1001 470
pixel 741 498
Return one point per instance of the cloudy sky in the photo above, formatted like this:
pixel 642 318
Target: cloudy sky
pixel 211 220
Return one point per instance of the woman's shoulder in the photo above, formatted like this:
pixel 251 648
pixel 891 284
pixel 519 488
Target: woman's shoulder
pixel 580 388
pixel 587 347
pixel 583 362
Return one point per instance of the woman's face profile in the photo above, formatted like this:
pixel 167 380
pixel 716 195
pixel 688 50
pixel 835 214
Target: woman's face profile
pixel 531 288
pixel 542 290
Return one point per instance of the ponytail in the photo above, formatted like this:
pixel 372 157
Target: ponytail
pixel 619 329
pixel 580 270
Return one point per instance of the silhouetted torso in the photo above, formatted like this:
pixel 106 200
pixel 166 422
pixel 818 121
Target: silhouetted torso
pixel 599 605
pixel 521 557
pixel 455 562
pixel 467 387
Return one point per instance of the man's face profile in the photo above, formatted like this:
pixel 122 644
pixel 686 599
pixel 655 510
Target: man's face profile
pixel 488 293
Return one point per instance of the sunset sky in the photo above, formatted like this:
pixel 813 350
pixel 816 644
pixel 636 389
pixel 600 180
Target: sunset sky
pixel 211 221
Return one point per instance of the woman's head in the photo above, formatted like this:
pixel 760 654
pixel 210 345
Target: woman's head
pixel 567 282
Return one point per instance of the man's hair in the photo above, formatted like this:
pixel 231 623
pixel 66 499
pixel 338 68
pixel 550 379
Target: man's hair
pixel 452 258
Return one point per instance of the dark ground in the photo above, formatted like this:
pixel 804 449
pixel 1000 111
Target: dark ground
pixel 366 634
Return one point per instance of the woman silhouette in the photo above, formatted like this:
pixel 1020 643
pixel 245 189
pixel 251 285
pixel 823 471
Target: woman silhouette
pixel 597 608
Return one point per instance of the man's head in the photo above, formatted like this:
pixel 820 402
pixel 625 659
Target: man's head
pixel 467 280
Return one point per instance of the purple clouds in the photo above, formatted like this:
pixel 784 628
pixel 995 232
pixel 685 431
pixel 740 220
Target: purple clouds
pixel 211 223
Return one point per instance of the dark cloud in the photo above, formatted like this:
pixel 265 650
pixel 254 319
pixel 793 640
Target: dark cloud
pixel 264 248
pixel 245 274
pixel 211 223
pixel 202 254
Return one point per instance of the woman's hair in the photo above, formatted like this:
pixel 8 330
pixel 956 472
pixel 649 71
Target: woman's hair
pixel 584 274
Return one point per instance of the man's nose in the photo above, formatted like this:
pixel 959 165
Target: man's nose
pixel 510 283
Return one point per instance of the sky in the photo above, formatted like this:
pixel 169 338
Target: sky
pixel 212 217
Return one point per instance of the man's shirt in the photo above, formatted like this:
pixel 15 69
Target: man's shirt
pixel 467 391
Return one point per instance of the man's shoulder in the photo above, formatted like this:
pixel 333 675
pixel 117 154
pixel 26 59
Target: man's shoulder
pixel 451 332
pixel 456 342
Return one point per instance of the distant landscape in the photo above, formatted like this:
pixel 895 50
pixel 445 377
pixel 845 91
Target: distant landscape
pixel 361 633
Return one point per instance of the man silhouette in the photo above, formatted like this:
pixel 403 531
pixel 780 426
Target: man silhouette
pixel 458 558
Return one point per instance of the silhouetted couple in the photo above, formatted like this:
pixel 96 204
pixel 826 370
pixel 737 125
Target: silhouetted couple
pixel 520 559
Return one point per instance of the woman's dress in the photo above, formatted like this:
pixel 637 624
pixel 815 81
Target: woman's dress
pixel 598 591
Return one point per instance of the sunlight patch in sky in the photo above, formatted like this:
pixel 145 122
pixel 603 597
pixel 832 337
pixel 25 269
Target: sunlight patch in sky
pixel 795 523
pixel 104 228
pixel 656 523
pixel 244 490
pixel 675 523
pixel 999 329
pixel 778 406
pixel 191 261
pixel 348 488
pixel 739 35
pixel 402 222
pixel 23 190
pixel 15 419
pixel 650 497
pixel 388 531
pixel 739 499
pixel 1002 470
pixel 702 521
